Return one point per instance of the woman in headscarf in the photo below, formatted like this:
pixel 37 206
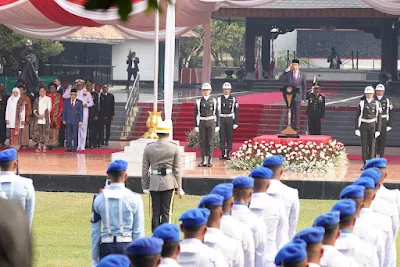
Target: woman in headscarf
pixel 55 115
pixel 41 125
pixel 15 117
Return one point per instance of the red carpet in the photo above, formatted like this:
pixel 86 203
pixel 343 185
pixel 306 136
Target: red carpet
pixel 89 151
pixel 391 159
pixel 266 98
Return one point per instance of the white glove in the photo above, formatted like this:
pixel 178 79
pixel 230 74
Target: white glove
pixel 94 263
pixel 146 191
pixel 196 129
pixel 216 129
pixel 377 134
pixel 357 132
pixel 235 126
pixel 181 192
pixel 388 128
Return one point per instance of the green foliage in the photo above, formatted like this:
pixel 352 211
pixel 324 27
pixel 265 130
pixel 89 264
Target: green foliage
pixel 191 46
pixel 193 138
pixel 13 47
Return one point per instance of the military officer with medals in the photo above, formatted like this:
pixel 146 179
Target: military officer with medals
pixel 387 118
pixel 206 122
pixel 368 123
pixel 315 109
pixel 228 113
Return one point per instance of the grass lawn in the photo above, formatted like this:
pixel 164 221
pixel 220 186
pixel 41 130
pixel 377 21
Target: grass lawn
pixel 61 226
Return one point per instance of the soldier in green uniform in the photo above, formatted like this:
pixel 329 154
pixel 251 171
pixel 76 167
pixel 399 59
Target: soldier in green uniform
pixel 315 109
pixel 206 122
pixel 387 118
pixel 368 123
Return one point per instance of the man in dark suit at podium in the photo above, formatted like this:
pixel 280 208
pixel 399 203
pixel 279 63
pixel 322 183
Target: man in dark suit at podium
pixel 72 117
pixel 133 67
pixel 293 76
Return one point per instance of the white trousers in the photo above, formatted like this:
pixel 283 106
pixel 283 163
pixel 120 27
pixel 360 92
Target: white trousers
pixel 82 131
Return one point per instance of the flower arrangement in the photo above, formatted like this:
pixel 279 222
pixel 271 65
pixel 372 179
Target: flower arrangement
pixel 193 138
pixel 299 156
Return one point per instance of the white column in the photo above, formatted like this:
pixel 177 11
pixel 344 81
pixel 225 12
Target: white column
pixel 156 57
pixel 169 64
pixel 206 71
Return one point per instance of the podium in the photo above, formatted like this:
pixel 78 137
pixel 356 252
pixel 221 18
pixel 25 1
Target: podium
pixel 289 93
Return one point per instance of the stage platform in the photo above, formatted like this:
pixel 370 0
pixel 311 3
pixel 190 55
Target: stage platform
pixel 70 172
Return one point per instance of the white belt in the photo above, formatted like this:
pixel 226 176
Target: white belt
pixel 384 116
pixel 169 171
pixel 116 239
pixel 368 120
pixel 226 115
pixel 207 118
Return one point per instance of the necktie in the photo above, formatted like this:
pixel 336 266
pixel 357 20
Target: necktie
pixel 294 77
pixel 73 103
pixel 98 102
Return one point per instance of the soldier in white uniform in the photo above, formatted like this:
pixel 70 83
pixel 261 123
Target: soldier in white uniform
pixel 332 257
pixel 215 238
pixel 293 254
pixel 233 228
pixel 13 186
pixel 170 234
pixel 349 243
pixel 271 210
pixel 145 251
pixel 242 191
pixel 290 196
pixel 87 101
pixel 313 237
pixel 193 252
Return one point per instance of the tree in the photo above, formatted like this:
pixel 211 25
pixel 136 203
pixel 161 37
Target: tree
pixel 13 48
pixel 191 46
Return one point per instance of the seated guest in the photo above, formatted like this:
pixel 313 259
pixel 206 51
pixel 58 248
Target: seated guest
pixel 41 126
pixel 72 117
pixel 293 254
pixel 145 252
pixel 114 260
pixel 55 115
pixel 15 117
pixel 170 234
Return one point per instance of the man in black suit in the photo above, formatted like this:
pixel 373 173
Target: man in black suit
pixel 96 124
pixel 107 112
pixel 133 67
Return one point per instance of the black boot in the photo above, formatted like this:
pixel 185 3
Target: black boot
pixel 209 164
pixel 228 155
pixel 223 155
pixel 202 163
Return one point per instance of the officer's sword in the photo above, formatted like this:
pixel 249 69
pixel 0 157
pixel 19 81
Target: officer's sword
pixel 171 207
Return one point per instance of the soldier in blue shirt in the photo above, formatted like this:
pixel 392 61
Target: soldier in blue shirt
pixel 121 213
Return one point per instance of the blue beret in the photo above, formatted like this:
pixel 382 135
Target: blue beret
pixel 273 161
pixel 352 191
pixel 292 252
pixel 211 199
pixel 376 162
pixel 167 232
pixel 261 172
pixel 195 217
pixel 366 182
pixel 145 246
pixel 8 155
pixel 114 260
pixel 346 207
pixel 326 219
pixel 224 190
pixel 243 182
pixel 373 173
pixel 117 165
pixel 311 235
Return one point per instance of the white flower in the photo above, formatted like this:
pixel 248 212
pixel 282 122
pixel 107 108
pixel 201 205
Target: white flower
pixel 279 151
pixel 273 152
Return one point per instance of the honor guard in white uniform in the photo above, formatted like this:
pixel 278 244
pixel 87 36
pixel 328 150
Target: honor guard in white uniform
pixel 271 210
pixel 293 254
pixel 332 257
pixel 114 260
pixel 215 238
pixel 387 118
pixel 363 228
pixel 368 123
pixel 228 112
pixel 193 252
pixel 313 237
pixel 349 243
pixel 289 196
pixel 87 101
pixel 121 213
pixel 145 251
pixel 170 234
pixel 206 122
pixel 233 228
pixel 242 191
pixel 13 186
